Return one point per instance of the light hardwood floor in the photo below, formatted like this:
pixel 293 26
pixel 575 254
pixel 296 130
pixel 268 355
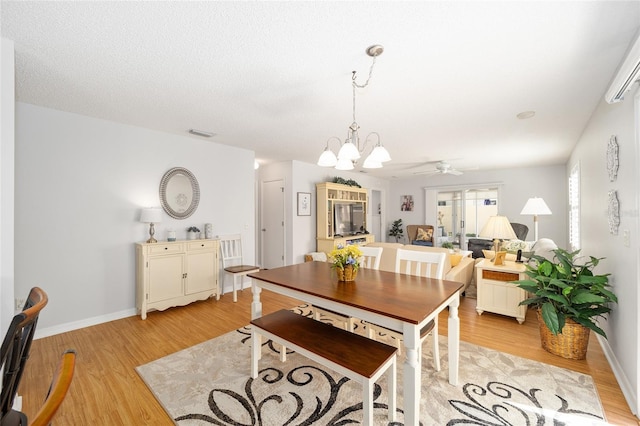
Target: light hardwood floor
pixel 106 389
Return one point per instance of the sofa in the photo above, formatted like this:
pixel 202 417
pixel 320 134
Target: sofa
pixel 461 272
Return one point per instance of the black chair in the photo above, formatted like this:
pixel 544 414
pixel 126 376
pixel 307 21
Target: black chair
pixel 476 245
pixel 15 352
pixel 520 230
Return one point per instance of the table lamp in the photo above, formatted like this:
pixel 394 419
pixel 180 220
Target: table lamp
pixel 535 206
pixel 151 216
pixel 498 228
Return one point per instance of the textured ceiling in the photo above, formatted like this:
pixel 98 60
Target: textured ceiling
pixel 275 77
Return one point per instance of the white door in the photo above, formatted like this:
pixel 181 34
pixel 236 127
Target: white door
pixel 272 220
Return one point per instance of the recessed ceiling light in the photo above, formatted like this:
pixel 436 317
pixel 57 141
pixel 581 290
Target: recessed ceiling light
pixel 526 114
pixel 201 133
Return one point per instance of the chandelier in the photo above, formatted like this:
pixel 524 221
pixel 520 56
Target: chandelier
pixel 351 151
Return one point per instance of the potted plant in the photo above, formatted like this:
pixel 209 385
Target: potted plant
pixel 447 245
pixel 396 230
pixel 193 233
pixel 569 299
pixel 346 261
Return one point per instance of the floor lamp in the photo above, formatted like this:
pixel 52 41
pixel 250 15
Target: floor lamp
pixel 536 207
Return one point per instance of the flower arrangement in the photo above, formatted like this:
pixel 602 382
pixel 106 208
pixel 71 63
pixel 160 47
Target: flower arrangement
pixel 345 256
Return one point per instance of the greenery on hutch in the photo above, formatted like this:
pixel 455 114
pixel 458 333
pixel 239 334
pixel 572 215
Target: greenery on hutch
pixel 348 182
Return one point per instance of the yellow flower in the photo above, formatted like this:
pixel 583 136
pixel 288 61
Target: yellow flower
pixel 343 256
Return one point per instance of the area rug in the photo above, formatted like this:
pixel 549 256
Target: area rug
pixel 210 384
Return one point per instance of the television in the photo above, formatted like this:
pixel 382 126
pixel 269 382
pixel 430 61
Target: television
pixel 349 219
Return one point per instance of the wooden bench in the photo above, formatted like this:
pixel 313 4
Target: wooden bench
pixel 356 357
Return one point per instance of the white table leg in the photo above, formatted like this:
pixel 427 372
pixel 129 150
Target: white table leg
pixel 412 373
pixel 256 305
pixel 454 339
pixel 391 393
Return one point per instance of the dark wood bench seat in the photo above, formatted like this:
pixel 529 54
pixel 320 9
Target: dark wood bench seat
pixel 357 357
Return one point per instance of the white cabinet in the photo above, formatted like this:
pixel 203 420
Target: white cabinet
pixel 175 273
pixel 496 292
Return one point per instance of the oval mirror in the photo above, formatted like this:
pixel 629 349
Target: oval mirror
pixel 179 193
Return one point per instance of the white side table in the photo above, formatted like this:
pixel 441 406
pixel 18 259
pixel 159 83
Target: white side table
pixel 495 291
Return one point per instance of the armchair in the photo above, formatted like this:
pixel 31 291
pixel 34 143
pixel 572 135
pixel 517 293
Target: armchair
pixel 421 235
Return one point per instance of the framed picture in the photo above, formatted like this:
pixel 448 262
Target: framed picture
pixel 500 256
pixel 406 203
pixel 304 204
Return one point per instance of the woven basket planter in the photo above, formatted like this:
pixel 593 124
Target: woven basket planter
pixel 572 343
pixel 347 274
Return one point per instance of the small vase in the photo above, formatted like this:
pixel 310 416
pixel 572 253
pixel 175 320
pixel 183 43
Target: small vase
pixel 191 235
pixel 347 274
pixel 208 231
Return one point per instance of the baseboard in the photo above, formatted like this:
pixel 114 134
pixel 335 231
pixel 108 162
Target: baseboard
pixel 70 326
pixel 627 389
pixel 88 322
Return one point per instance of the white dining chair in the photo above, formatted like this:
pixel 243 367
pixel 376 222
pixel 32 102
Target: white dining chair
pixel 419 263
pixel 231 252
pixel 370 260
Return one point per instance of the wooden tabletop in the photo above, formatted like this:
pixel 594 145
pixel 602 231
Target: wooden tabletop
pixel 404 297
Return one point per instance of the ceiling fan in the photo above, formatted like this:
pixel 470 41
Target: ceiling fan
pixel 443 168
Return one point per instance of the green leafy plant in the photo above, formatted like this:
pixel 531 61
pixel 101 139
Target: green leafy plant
pixel 192 229
pixel 396 230
pixel 447 245
pixel 565 289
pixel 348 182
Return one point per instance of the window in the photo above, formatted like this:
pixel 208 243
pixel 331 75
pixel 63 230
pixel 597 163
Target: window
pixel 574 207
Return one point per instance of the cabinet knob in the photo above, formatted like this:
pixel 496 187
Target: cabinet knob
pixel 166 248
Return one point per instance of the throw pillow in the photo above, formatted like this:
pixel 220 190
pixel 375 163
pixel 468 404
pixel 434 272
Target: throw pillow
pixel 455 259
pixel 424 234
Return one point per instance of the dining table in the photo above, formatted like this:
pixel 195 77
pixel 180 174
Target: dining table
pixel 400 302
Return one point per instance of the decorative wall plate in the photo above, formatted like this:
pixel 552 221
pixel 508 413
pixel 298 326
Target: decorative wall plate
pixel 612 158
pixel 613 212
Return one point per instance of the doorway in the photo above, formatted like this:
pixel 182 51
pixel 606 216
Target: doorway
pixel 272 228
pixel 462 213
pixel 376 209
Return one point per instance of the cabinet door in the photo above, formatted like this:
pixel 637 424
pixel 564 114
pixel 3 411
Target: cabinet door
pixel 165 277
pixel 200 276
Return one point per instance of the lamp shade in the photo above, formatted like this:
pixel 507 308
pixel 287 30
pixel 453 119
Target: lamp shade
pixel 344 164
pixel 380 154
pixel 151 215
pixel 371 163
pixel 327 158
pixel 535 206
pixel 348 151
pixel 498 227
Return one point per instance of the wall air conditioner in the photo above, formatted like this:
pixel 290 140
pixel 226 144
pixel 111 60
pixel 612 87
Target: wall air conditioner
pixel 627 75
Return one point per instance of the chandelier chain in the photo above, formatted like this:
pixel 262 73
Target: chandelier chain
pixel 355 84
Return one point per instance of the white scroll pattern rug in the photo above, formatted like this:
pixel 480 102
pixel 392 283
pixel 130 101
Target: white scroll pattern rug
pixel 210 384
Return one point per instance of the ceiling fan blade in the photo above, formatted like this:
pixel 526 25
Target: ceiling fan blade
pixel 427 172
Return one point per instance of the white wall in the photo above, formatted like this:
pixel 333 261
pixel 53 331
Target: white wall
pixel 621 261
pixel 302 177
pixel 517 186
pixel 80 185
pixel 7 115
